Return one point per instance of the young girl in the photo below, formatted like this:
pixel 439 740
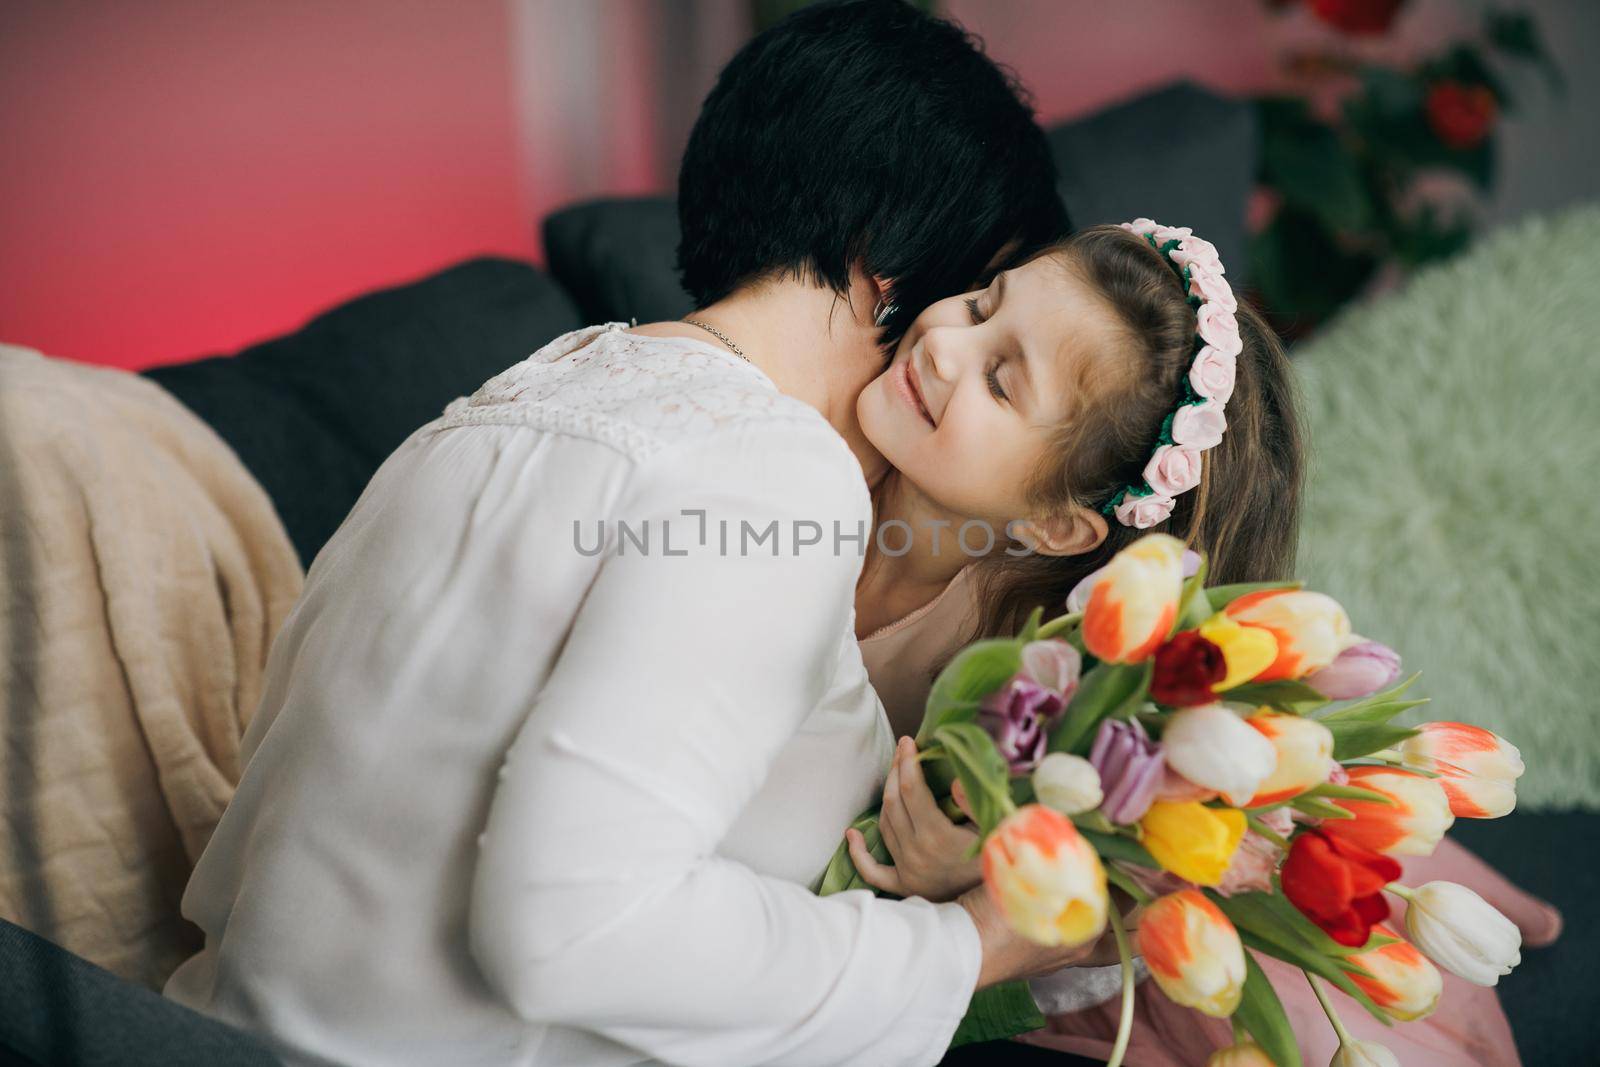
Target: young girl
pixel 1025 409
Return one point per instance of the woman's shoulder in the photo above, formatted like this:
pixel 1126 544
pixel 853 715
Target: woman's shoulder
pixel 636 393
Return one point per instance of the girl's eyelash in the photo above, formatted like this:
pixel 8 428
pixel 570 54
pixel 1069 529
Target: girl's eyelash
pixel 992 376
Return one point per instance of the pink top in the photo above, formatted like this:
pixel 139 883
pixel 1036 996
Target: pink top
pixel 1469 1028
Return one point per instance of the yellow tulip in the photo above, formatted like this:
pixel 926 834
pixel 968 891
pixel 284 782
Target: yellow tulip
pixel 1194 842
pixel 1247 650
pixel 1244 1054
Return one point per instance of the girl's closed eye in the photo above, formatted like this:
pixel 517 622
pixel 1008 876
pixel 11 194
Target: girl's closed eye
pixel 992 376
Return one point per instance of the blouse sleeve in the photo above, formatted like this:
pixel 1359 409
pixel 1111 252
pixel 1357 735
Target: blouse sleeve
pixel 598 900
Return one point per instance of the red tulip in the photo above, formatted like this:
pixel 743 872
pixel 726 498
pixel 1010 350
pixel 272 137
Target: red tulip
pixel 1460 115
pixel 1338 885
pixel 1357 17
pixel 1186 669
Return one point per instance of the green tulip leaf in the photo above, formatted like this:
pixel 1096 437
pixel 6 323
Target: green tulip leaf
pixel 1261 1012
pixel 1352 740
pixel 982 770
pixel 1109 690
pixel 1296 698
pixel 978 670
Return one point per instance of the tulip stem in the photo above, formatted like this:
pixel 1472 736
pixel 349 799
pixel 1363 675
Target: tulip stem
pixel 1266 831
pixel 1126 884
pixel 1058 624
pixel 1125 1021
pixel 1403 892
pixel 1327 1008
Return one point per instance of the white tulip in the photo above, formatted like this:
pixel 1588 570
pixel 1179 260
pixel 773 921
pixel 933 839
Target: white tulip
pixel 1067 783
pixel 1461 932
pixel 1216 749
pixel 1363 1054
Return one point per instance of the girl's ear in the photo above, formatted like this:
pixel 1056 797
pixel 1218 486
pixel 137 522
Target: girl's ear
pixel 1070 533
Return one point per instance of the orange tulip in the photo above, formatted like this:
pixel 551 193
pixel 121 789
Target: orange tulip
pixel 1132 608
pixel 1410 825
pixel 1045 879
pixel 1194 952
pixel 1305 756
pixel 1311 629
pixel 1477 769
pixel 1403 983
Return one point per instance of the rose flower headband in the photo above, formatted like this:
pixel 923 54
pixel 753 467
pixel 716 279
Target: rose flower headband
pixel 1197 424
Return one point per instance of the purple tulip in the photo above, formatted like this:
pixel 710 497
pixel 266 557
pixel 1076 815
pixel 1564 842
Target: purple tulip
pixel 1018 717
pixel 1131 769
pixel 1359 671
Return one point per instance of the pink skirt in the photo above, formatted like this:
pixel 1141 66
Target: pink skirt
pixel 1469 1029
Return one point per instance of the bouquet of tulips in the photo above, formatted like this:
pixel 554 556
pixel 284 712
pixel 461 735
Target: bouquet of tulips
pixel 1227 757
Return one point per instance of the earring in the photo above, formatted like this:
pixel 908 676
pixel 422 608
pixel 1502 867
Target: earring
pixel 883 312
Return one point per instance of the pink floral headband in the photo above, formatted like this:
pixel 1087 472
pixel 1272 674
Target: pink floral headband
pixel 1197 424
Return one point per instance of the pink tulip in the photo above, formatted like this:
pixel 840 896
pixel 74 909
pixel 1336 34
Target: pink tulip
pixel 1359 671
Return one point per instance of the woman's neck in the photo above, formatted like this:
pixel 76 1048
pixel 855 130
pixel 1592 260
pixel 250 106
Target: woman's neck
pixel 810 341
pixel 893 586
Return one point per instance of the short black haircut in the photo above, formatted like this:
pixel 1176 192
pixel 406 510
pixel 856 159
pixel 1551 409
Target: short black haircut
pixel 864 130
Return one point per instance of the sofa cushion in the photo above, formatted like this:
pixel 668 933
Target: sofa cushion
pixel 313 414
pixel 56 1008
pixel 1181 155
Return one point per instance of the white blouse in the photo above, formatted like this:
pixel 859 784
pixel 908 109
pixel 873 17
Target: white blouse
pixel 523 792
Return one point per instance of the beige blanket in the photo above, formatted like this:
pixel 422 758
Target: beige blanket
pixel 143 574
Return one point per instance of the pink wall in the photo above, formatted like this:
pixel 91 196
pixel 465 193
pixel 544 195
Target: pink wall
pixel 188 176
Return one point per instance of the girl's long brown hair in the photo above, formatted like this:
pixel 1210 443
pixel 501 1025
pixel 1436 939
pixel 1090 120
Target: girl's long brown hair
pixel 1245 513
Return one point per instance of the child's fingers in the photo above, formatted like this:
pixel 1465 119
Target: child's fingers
pixel 959 792
pixel 872 872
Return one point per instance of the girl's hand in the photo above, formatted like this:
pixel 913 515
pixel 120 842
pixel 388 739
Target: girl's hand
pixel 929 850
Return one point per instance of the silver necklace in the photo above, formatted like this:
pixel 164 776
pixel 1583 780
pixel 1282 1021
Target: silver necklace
pixel 719 335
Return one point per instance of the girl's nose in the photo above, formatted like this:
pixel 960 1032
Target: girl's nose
pixel 942 351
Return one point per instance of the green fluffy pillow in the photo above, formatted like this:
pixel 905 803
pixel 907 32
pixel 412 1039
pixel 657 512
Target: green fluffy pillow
pixel 1452 504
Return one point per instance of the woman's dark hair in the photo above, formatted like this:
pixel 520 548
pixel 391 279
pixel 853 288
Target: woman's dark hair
pixel 1245 513
pixel 863 131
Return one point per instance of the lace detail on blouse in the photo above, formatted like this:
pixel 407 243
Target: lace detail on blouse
pixel 631 392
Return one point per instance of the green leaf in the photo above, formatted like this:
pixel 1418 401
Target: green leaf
pixel 1316 171
pixel 978 670
pixel 1261 1012
pixel 1196 605
pixel 1352 740
pixel 982 771
pixel 1223 595
pixel 1030 629
pixel 1321 966
pixel 1305 272
pixel 1272 916
pixel 1109 690
pixel 1348 792
pixel 1514 33
pixel 1379 707
pixel 1297 698
pixel 841 873
pixel 1320 809
pixel 1118 847
pixel 998 1012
